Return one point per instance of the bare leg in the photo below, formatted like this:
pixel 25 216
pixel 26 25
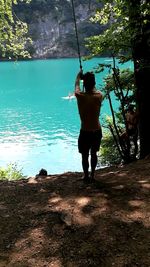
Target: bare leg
pixel 85 164
pixel 93 163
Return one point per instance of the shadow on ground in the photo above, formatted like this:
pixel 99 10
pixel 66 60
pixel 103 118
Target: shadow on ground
pixel 58 221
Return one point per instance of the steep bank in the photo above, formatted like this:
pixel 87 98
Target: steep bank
pixel 61 222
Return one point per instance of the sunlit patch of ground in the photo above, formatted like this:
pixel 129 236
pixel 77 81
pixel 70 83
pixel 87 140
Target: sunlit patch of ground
pixel 58 221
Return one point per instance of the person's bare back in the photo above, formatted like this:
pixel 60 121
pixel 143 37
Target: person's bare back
pixel 89 109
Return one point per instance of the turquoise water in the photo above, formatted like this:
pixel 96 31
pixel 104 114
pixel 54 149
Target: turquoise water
pixel 38 128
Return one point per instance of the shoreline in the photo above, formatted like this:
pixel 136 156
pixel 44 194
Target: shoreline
pixel 48 58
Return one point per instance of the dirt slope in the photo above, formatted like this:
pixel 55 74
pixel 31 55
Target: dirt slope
pixel 58 221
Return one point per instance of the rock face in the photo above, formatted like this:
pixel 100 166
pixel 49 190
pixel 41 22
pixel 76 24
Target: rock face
pixel 52 28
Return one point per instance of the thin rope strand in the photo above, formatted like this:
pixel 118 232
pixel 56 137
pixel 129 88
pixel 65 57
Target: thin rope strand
pixel 76 31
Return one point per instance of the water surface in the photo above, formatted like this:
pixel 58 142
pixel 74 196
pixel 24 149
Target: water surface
pixel 38 128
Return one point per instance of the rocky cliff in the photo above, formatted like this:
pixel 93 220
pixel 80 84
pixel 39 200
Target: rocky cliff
pixel 52 28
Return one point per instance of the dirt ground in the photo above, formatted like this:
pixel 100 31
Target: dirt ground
pixel 58 221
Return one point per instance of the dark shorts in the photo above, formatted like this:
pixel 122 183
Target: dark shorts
pixel 89 140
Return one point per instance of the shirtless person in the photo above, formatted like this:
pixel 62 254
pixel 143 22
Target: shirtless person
pixel 132 126
pixel 89 103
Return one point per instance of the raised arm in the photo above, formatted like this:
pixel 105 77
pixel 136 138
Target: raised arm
pixel 77 83
pixel 100 95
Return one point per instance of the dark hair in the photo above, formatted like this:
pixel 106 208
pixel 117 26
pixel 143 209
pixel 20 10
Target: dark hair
pixel 88 81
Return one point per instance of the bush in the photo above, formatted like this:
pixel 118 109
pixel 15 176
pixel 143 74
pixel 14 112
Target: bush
pixel 11 172
pixel 108 154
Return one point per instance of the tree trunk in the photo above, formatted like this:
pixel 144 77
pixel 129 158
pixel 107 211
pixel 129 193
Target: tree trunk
pixel 141 57
pixel 143 99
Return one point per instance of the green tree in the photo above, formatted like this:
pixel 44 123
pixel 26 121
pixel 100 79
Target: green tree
pixel 128 37
pixel 13 31
pixel 119 84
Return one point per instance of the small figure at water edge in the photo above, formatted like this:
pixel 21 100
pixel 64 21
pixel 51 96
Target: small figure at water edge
pixel 42 172
pixel 89 104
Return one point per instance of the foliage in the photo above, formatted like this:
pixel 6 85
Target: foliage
pixel 120 84
pixel 109 154
pixel 119 36
pixel 13 31
pixel 11 172
pixel 127 37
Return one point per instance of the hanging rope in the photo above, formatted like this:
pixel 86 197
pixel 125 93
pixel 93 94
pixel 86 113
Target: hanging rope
pixel 76 31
